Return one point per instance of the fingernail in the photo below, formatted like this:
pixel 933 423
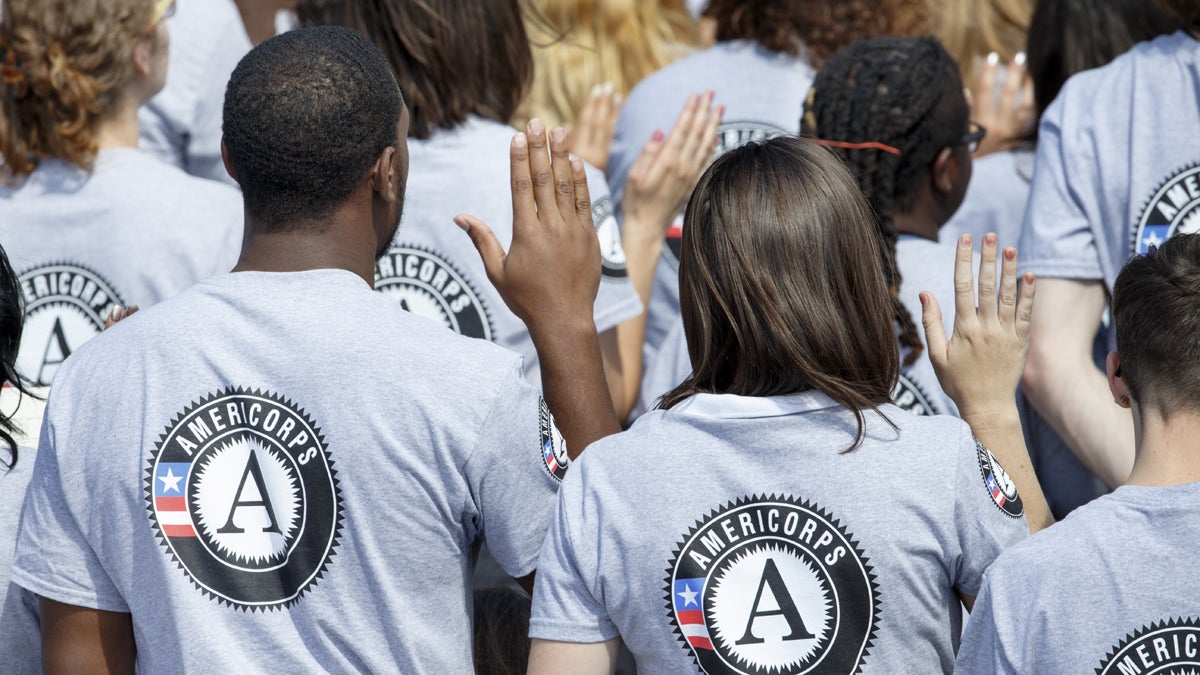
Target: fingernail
pixel 922 297
pixel 990 238
pixel 577 164
pixel 462 224
pixel 519 141
pixel 1019 59
pixel 993 59
pixel 965 241
pixel 693 99
pixel 608 87
pixel 658 135
pixel 558 134
pixel 537 127
pixel 596 90
pixel 1010 253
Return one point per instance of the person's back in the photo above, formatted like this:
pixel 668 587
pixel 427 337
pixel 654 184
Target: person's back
pixel 347 485
pixel 1112 589
pixel 88 220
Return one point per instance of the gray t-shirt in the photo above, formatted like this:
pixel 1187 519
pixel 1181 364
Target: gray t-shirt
pixel 1118 166
pixel 433 268
pixel 755 544
pixel 20 629
pixel 1110 590
pixel 181 125
pixel 996 198
pixel 135 232
pixel 763 94
pixel 289 457
pixel 925 265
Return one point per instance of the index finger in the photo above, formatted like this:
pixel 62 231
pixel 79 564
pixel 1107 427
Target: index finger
pixel 539 165
pixel 522 183
pixel 964 281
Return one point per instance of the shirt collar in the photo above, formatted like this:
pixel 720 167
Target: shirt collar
pixel 732 406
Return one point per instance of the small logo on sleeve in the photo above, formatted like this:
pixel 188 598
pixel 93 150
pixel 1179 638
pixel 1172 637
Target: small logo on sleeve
pixel 243 494
pixel 999 486
pixel 612 255
pixel 1162 648
pixel 65 306
pixel 428 285
pixel 907 394
pixel 730 135
pixel 771 585
pixel 553 447
pixel 1173 209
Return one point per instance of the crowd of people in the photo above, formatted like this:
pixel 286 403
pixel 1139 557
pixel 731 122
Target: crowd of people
pixel 561 336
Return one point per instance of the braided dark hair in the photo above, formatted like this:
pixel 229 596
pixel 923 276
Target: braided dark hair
pixel 12 314
pixel 903 92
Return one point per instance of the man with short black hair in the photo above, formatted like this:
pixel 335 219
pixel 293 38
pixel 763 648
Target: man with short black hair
pixel 1112 589
pixel 282 469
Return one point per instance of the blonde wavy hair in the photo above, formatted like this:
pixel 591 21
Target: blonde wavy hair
pixel 65 65
pixel 578 44
pixel 975 28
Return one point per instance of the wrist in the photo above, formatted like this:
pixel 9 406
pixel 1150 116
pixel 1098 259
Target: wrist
pixel 560 329
pixel 994 417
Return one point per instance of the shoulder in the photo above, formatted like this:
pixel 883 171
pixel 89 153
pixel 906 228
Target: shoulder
pixel 1061 549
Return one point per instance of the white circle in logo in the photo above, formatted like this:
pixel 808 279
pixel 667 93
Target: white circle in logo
pixel 65 306
pixel 750 606
pixel 244 524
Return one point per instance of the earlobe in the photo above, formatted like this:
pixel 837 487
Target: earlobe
pixel 226 161
pixel 1116 384
pixel 141 58
pixel 383 174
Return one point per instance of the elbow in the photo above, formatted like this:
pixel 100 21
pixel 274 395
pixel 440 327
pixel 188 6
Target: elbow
pixel 1039 369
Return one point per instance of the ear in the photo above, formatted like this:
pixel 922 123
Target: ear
pixel 225 159
pixel 944 170
pixel 142 58
pixel 383 175
pixel 1116 384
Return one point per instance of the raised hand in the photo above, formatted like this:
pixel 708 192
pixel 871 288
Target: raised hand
pixel 591 138
pixel 551 272
pixel 980 366
pixel 666 171
pixel 1008 114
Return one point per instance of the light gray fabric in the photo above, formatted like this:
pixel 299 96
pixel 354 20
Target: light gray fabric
pixel 1116 168
pixel 1111 590
pixel 434 269
pixel 135 232
pixel 996 198
pixel 20 630
pixel 181 125
pixel 763 94
pixel 747 513
pixel 386 446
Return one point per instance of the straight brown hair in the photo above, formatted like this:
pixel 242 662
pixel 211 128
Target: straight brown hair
pixel 779 281
pixel 451 58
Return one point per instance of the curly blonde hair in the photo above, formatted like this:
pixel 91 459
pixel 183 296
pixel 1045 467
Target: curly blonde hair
pixel 66 64
pixel 578 44
pixel 976 28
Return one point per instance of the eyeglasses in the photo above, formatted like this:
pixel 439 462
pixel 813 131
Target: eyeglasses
pixel 975 135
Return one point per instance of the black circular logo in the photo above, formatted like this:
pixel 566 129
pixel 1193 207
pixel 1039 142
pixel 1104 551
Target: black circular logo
pixel 1174 209
pixel 908 395
pixel 427 285
pixel 772 585
pixel 242 492
pixel 1162 648
pixel 999 486
pixel 65 306
pixel 553 446
pixel 730 135
pixel 612 255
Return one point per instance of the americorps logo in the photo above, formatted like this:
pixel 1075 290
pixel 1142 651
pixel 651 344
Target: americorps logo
pixel 426 284
pixel 66 305
pixel 1173 209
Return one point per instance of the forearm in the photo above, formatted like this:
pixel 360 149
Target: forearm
pixel 1000 432
pixel 621 346
pixel 573 382
pixel 1073 396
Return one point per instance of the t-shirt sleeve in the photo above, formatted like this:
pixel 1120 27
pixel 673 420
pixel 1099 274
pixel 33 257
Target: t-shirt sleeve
pixel 565 599
pixel 1057 239
pixel 617 300
pixel 984 644
pixel 988 513
pixel 54 558
pixel 513 475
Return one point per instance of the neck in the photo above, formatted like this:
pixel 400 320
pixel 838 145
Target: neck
pixel 1168 451
pixel 119 129
pixel 336 243
pixel 259 19
pixel 917 224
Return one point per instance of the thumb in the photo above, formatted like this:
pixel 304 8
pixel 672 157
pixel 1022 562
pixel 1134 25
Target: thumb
pixel 489 248
pixel 935 331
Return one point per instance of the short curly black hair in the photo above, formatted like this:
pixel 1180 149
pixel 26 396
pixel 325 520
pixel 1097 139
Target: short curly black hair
pixel 306 115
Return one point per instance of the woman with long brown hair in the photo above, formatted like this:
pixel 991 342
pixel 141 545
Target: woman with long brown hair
pixel 90 222
pixel 779 514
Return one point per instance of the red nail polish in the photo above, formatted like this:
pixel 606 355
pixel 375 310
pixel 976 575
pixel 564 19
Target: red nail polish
pixel 658 135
